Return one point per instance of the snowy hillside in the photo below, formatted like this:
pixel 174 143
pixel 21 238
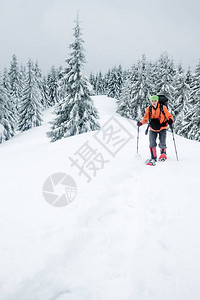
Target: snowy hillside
pixel 131 233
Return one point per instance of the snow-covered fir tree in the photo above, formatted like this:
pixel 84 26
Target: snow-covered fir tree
pixel 115 81
pixel 191 122
pixel 7 118
pixel 5 80
pixel 181 96
pixel 52 83
pixel 75 113
pixel 7 86
pixel 46 102
pixel 15 80
pixel 38 73
pixel 165 83
pixel 38 79
pixel 106 81
pixel 92 80
pixel 124 104
pixel 188 79
pixel 130 107
pixel 10 104
pixel 146 83
pixel 139 89
pixel 153 75
pixel 22 78
pixel 30 106
pixel 99 84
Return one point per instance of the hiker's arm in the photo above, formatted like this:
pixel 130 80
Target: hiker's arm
pixel 146 117
pixel 167 113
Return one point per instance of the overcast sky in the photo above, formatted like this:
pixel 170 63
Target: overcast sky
pixel 114 31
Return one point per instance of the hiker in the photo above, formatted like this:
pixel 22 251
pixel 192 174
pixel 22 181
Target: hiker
pixel 159 117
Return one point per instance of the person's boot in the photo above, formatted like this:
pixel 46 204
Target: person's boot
pixel 153 153
pixel 163 154
pixel 152 161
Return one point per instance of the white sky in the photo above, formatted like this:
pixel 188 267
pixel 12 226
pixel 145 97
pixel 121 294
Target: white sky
pixel 114 31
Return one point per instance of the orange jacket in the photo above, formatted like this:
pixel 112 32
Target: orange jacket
pixel 157 114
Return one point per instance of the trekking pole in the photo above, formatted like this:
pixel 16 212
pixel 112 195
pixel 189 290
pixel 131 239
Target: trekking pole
pixel 174 141
pixel 137 139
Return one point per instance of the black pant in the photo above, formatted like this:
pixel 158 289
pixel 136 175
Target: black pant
pixel 162 138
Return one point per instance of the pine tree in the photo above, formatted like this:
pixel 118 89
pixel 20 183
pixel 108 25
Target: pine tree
pixel 7 119
pixel 145 84
pixel 191 121
pixel 153 73
pixel 30 106
pixel 52 82
pixel 181 96
pixel 124 104
pixel 22 79
pixel 45 94
pixel 120 81
pixel 15 81
pixel 139 90
pixel 165 83
pixel 188 77
pixel 39 82
pixel 11 102
pixel 132 105
pixel 99 84
pixel 75 114
pixel 115 83
pixel 92 81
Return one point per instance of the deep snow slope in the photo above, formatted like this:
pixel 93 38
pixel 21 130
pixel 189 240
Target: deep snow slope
pixel 131 233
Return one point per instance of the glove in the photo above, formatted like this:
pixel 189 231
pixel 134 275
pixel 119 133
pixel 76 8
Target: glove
pixel 139 124
pixel 170 121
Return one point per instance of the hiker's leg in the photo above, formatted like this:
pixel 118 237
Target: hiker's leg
pixel 152 143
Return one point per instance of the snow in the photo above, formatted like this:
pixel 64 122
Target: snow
pixel 132 232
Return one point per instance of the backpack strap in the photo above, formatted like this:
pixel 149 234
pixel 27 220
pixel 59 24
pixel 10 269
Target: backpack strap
pixel 165 123
pixel 150 110
pixel 162 110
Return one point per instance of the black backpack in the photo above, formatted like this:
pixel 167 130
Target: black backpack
pixel 163 100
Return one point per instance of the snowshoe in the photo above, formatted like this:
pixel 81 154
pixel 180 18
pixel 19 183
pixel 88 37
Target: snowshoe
pixel 151 162
pixel 163 157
